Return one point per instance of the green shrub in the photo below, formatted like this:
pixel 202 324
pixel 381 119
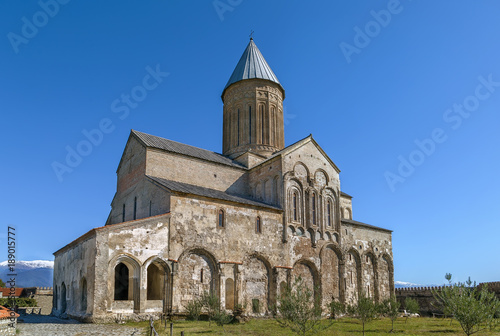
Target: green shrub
pixel 194 309
pixel 20 302
pixel 336 308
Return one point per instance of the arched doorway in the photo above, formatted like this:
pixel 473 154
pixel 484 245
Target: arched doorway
pixel 122 282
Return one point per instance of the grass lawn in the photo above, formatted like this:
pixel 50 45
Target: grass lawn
pixel 341 327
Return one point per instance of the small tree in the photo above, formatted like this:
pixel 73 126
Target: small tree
pixel 211 304
pixel 365 310
pixel 473 307
pixel 298 310
pixel 411 306
pixel 194 309
pixel 222 318
pixel 2 284
pixel 390 308
pixel 336 308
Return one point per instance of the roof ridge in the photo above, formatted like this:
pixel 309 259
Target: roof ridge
pixel 154 141
pixel 188 188
pixel 177 142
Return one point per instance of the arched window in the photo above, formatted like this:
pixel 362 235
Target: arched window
pixel 329 212
pixel 294 206
pixel 258 225
pixel 221 218
pixel 313 201
pixel 135 208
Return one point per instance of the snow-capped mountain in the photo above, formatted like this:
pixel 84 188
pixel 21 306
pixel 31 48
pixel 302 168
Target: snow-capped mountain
pixel 404 284
pixel 34 273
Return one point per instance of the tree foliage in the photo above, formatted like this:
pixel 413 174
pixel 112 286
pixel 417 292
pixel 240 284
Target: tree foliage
pixel 209 303
pixel 194 309
pixel 412 307
pixel 364 310
pixel 472 306
pixel 2 284
pixel 390 308
pixel 298 310
pixel 19 302
pixel 336 308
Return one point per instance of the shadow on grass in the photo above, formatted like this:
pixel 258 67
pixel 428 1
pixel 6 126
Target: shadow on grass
pixel 444 331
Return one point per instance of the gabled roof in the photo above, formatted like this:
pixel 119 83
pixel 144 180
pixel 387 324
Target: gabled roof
pixel 252 65
pixel 180 148
pixel 346 195
pixel 298 144
pixel 353 222
pixel 186 188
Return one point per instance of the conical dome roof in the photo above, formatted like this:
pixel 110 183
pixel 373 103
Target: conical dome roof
pixel 252 65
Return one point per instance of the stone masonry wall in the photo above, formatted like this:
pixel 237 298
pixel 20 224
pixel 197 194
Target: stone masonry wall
pixel 199 172
pixel 149 198
pixel 72 266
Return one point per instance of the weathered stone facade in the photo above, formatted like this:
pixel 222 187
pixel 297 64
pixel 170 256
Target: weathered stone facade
pixel 241 225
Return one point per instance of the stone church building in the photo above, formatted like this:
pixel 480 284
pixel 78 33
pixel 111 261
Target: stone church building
pixel 240 224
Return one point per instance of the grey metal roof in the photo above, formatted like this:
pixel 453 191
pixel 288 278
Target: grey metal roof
pixel 252 65
pixel 207 192
pixel 180 148
pixel 350 221
pixel 344 194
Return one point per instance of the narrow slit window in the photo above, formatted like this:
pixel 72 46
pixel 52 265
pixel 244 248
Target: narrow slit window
pixel 258 225
pixel 262 124
pixel 135 208
pixel 250 124
pixel 295 206
pixel 201 275
pixel 329 212
pixel 123 213
pixel 221 218
pixel 313 208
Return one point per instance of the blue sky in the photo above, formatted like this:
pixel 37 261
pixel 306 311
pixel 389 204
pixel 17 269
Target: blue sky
pixel 403 96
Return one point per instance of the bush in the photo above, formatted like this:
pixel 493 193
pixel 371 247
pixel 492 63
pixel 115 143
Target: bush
pixel 211 304
pixel 336 308
pixel 194 309
pixel 20 302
